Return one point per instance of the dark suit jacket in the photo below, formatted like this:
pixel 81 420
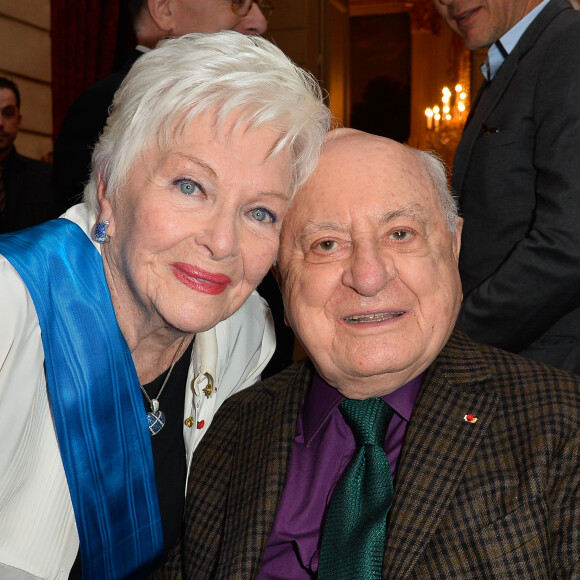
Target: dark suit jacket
pixel 517 172
pixel 498 498
pixel 80 131
pixel 29 199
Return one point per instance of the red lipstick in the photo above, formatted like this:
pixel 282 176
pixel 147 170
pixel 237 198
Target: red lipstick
pixel 200 280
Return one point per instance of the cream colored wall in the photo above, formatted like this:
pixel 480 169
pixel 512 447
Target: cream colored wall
pixel 314 33
pixel 294 29
pixel 25 58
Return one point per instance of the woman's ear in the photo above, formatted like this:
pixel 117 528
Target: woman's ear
pixel 105 206
pixel 276 272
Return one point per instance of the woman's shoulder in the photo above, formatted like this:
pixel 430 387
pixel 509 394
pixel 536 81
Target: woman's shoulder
pixel 16 303
pixel 20 340
pixel 82 215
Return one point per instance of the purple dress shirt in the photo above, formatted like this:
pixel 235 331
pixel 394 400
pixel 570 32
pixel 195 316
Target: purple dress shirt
pixel 323 447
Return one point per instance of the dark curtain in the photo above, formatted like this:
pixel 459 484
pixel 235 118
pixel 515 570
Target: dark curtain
pixel 90 38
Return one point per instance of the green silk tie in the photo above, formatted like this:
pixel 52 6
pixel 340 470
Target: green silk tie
pixel 353 542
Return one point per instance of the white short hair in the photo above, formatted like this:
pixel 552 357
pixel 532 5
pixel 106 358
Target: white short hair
pixel 185 77
pixel 437 175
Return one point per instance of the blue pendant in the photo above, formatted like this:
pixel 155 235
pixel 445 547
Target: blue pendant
pixel 156 421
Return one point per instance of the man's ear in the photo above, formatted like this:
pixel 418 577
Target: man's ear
pixel 457 239
pixel 163 14
pixel 276 272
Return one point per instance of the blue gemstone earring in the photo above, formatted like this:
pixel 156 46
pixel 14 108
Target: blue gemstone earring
pixel 100 232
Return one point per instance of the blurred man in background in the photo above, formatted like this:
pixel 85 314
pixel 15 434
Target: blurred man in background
pixel 25 183
pixel 517 175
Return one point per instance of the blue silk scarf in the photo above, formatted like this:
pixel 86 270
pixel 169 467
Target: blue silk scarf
pixel 96 401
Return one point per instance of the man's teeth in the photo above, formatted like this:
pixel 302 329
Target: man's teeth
pixel 372 317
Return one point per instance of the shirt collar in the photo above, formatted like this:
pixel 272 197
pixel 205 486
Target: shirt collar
pixel 321 399
pixel 495 57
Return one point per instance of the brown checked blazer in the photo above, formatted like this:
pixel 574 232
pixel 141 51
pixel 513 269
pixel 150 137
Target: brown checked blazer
pixel 494 499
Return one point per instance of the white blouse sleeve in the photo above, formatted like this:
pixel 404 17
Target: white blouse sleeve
pixel 38 537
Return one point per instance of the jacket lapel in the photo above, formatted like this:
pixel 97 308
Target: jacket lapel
pixel 262 474
pixel 483 107
pixel 438 447
pixel 486 102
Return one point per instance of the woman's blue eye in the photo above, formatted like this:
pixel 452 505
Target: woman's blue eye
pixel 188 186
pixel 263 215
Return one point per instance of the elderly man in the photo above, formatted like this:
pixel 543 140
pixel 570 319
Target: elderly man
pixel 517 175
pixel 296 478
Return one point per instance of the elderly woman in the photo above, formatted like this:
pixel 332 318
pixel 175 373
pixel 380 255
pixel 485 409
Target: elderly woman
pixel 126 324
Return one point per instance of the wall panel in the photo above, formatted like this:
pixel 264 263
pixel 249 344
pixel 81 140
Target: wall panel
pixel 25 57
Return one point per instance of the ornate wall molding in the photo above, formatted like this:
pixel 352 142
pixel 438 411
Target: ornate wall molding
pixel 424 17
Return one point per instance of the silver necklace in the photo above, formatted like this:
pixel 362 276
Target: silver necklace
pixel 155 417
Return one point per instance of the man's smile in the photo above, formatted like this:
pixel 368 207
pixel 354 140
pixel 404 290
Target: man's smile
pixel 373 317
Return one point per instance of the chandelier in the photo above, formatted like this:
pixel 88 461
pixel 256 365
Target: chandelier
pixel 445 121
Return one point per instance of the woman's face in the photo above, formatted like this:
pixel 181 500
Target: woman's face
pixel 195 228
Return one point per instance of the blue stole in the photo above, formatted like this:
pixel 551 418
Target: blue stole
pixel 96 400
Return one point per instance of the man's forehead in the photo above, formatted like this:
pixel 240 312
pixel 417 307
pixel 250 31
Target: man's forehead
pixel 356 145
pixel 7 97
pixel 381 214
pixel 362 176
pixel 336 197
pixel 356 159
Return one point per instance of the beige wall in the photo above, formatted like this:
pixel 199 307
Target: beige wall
pixel 314 33
pixel 294 29
pixel 25 58
pixel 309 31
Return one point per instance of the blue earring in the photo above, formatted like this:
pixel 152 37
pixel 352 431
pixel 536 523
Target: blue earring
pixel 100 232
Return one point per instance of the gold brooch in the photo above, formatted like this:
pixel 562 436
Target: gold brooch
pixel 208 389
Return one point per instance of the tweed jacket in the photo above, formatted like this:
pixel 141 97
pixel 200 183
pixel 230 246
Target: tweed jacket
pixel 494 499
pixel 517 174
